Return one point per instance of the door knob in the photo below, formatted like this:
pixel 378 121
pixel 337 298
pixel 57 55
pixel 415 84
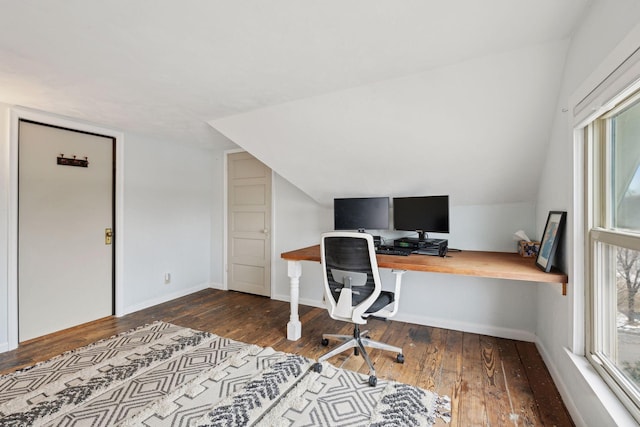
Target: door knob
pixel 108 236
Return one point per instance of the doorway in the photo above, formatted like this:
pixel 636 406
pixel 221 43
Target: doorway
pixel 66 188
pixel 248 224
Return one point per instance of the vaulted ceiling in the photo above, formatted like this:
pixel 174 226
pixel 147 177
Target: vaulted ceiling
pixel 341 98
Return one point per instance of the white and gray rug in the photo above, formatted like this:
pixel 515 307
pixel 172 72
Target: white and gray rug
pixel 166 375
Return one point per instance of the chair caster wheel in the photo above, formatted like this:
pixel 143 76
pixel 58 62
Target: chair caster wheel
pixel 400 358
pixel 317 367
pixel 324 342
pixel 373 381
pixel 356 351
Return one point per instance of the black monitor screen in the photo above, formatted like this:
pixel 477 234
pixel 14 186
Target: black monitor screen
pixel 429 214
pixel 371 213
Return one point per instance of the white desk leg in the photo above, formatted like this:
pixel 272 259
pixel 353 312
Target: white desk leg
pixel 294 327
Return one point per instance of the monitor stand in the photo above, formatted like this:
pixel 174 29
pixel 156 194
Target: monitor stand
pixel 377 240
pixel 414 242
pixel 420 242
pixel 411 242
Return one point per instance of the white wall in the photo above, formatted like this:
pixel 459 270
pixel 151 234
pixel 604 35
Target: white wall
pixel 298 222
pixel 167 220
pixel 4 223
pixel 216 268
pixel 559 323
pixel 168 208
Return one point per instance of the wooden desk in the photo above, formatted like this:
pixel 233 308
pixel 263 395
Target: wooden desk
pixel 498 265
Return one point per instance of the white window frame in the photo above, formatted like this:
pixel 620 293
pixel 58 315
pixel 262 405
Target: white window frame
pixel 599 231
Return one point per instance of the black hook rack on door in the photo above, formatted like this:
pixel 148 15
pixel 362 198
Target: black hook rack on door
pixel 66 161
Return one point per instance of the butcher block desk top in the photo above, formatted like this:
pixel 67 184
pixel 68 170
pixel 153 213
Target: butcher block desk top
pixel 498 265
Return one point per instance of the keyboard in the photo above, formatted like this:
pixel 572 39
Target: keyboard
pixel 391 250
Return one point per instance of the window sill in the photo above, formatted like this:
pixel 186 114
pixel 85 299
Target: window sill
pixel 608 399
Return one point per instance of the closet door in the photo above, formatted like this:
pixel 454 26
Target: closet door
pixel 249 223
pixel 65 212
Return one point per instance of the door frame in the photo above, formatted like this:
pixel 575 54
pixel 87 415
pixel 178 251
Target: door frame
pixel 16 115
pixel 225 234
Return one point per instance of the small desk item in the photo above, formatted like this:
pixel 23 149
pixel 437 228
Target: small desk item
pixel 390 250
pixel 497 265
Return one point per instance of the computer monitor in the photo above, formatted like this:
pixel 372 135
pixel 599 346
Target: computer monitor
pixel 361 213
pixel 427 214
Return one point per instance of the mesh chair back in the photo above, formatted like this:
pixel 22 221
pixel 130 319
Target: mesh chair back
pixel 345 255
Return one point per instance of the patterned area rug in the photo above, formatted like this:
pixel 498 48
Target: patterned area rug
pixel 167 375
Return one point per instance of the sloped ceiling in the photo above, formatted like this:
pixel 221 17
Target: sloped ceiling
pixel 475 130
pixel 339 97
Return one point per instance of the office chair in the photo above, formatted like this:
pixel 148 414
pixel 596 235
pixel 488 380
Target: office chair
pixel 353 291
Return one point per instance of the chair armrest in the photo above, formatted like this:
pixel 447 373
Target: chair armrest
pixel 396 292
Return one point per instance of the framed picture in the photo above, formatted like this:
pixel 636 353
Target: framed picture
pixel 549 241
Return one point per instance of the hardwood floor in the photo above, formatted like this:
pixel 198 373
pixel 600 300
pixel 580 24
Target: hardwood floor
pixel 491 381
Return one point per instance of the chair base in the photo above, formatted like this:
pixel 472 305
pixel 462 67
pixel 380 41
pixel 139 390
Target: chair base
pixel 359 341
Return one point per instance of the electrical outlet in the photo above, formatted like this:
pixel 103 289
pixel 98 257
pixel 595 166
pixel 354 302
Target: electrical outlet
pixel 167 278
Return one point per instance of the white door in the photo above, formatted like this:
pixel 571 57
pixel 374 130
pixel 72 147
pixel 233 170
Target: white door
pixel 65 264
pixel 249 223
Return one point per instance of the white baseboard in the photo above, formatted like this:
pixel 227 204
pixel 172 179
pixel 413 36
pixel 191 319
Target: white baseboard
pixel 475 328
pixel 4 346
pixel 303 301
pixel 164 298
pixel 218 286
pixel 494 331
pixel 280 297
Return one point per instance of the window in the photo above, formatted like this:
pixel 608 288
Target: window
pixel 613 248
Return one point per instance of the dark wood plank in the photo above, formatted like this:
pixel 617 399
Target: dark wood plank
pixel 552 410
pixel 450 383
pixel 496 392
pixel 432 345
pixel 466 367
pixel 520 392
pixel 385 362
pixel 472 407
